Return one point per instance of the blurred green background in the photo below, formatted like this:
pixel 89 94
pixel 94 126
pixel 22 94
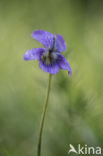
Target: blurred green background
pixel 75 112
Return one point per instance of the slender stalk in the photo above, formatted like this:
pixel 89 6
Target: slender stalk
pixel 43 117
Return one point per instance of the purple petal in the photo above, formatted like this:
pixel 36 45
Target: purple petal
pixel 33 54
pixel 52 69
pixel 44 37
pixel 63 64
pixel 59 43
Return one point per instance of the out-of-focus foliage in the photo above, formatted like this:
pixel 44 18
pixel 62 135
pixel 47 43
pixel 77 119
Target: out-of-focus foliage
pixel 75 112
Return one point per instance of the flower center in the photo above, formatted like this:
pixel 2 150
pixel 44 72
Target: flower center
pixel 49 57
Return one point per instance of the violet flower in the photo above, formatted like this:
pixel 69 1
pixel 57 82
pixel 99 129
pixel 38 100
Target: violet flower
pixel 50 61
pixel 49 57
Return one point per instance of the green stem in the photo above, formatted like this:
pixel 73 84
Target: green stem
pixel 43 117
